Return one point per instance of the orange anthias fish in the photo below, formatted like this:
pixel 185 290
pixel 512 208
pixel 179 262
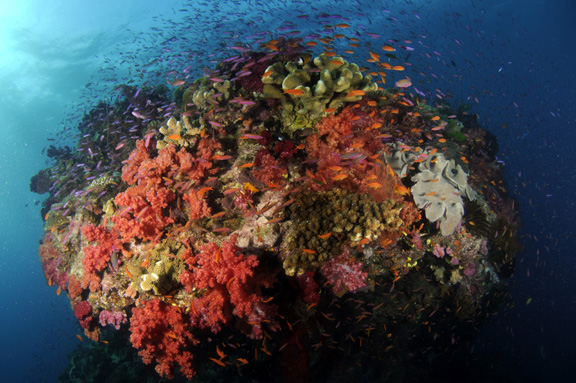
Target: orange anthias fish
pixel 294 92
pixel 358 92
pixel 339 177
pixel 401 189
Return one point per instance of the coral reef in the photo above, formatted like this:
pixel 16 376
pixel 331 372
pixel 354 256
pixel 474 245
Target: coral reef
pixel 278 206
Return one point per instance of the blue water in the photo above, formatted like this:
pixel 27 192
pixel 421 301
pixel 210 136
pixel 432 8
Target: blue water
pixel 516 58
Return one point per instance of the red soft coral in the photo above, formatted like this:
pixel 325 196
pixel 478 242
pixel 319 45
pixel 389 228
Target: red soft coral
pixel 142 211
pixel 143 206
pixel 268 169
pixel 232 289
pixel 162 334
pixel 197 204
pixel 96 256
pixel 83 312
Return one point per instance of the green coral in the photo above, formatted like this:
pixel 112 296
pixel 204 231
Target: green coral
pixel 326 82
pixel 350 217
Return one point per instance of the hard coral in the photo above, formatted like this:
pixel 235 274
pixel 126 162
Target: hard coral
pixel 344 217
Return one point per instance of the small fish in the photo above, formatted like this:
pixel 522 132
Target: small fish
pixel 267 300
pixel 248 165
pixel 204 190
pixel 251 136
pixel 219 362
pixel 177 82
pixel 404 83
pixel 339 177
pixel 358 92
pixel 174 137
pixel 309 251
pixel 294 92
pixel 342 25
pixel 242 361
pixel 325 236
pixel 218 215
pixel 230 191
pixel 222 230
pixel 220 353
pixel 222 158
pixel 363 241
pixel 268 73
pixel 388 48
pixel 229 283
pixel 398 67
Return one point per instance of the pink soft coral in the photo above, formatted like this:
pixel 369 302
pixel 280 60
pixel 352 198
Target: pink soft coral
pixel 343 274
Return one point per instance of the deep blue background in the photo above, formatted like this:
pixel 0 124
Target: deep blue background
pixel 516 57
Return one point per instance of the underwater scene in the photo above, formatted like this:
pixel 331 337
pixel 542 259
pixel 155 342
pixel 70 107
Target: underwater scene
pixel 287 191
